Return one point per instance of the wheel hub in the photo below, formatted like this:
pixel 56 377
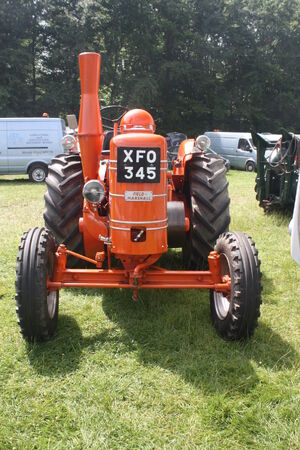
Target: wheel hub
pixel 221 304
pixel 222 301
pixel 51 303
pixel 38 175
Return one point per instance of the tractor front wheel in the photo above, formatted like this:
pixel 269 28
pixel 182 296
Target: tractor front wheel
pixel 37 308
pixel 235 316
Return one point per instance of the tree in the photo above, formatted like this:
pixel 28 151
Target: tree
pixel 194 64
pixel 14 59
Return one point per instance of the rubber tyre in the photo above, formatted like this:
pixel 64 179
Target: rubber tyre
pixel 64 203
pixel 235 317
pixel 37 309
pixel 259 196
pixel 37 173
pixel 207 196
pixel 250 166
pixel 270 201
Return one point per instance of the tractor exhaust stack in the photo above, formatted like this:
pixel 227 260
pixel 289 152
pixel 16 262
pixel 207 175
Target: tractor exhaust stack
pixel 90 123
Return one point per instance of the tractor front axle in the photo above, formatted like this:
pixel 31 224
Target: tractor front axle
pixel 146 278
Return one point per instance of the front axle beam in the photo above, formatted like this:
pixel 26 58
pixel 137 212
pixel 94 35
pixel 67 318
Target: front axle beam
pixel 146 278
pixel 116 278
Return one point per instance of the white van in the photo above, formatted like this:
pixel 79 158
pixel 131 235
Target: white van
pixel 27 145
pixel 237 147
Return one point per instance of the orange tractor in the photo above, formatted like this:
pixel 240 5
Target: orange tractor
pixel 113 210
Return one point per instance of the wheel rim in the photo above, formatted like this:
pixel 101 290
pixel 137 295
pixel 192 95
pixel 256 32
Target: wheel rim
pixel 51 303
pixel 38 174
pixel 221 301
pixel 250 167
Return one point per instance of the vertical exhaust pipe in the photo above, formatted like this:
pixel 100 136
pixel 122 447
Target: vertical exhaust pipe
pixel 90 124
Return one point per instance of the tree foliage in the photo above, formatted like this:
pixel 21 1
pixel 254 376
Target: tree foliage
pixel 195 64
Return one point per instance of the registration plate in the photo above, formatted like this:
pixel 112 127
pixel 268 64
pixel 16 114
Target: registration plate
pixel 138 165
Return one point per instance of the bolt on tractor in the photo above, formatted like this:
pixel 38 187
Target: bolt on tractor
pixel 114 209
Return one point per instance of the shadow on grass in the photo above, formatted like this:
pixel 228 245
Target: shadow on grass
pixel 61 355
pixel 267 284
pixel 15 182
pixel 172 330
pixel 280 216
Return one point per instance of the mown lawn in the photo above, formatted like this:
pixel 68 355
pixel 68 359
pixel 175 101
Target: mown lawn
pixel 151 374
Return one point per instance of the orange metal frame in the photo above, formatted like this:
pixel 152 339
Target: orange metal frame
pixel 138 259
pixel 144 276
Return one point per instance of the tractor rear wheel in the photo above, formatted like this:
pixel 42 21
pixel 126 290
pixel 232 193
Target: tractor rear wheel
pixel 207 196
pixel 64 203
pixel 37 308
pixel 235 316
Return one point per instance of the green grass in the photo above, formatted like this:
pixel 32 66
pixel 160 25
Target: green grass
pixel 151 374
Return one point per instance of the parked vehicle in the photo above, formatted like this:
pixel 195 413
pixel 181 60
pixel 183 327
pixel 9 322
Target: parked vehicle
pixel 277 169
pixel 238 148
pixel 294 226
pixel 271 143
pixel 27 145
pixel 122 207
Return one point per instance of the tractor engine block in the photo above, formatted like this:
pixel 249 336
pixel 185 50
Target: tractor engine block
pixel 138 193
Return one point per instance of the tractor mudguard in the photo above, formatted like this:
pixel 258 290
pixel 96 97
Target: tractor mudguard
pixel 185 154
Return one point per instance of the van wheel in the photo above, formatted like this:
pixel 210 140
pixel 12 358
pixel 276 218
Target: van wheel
pixel 250 166
pixel 37 173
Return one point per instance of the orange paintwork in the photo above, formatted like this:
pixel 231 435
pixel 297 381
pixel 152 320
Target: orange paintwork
pixel 92 226
pixel 138 120
pixel 142 278
pixel 125 215
pixel 152 279
pixel 185 153
pixel 106 227
pixel 90 125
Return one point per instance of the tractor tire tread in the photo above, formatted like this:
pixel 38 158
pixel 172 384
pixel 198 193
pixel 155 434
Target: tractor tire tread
pixel 207 189
pixel 242 318
pixel 64 203
pixel 31 279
